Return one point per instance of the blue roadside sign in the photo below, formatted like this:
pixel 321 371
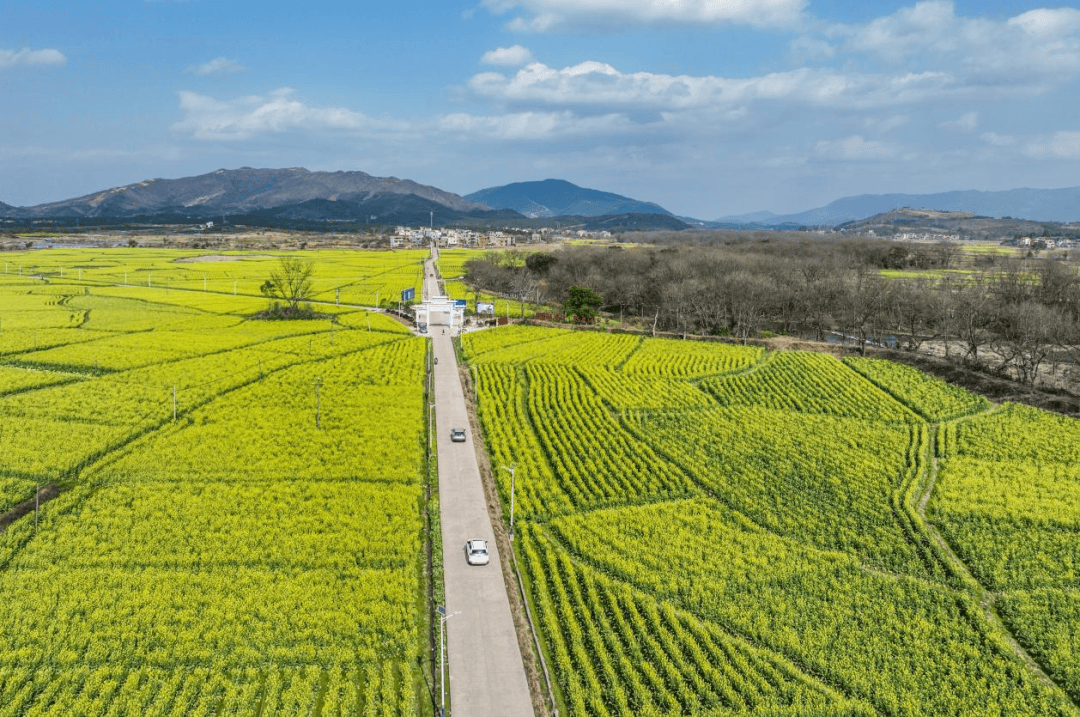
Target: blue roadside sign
pixel 408 294
pixel 461 302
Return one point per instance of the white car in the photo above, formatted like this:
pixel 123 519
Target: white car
pixel 476 552
pixel 457 435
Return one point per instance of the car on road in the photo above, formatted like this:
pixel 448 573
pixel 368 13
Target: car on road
pixel 457 435
pixel 476 552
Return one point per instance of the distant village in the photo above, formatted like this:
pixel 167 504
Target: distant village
pixel 463 238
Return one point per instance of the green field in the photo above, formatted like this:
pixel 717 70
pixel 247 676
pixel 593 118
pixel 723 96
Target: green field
pixel 702 528
pixel 201 280
pixel 706 529
pixel 238 532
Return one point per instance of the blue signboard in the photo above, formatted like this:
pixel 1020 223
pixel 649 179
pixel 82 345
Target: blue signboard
pixel 408 294
pixel 461 302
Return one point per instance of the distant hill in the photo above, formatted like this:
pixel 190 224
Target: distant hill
pixel 236 192
pixel 1050 205
pixel 557 197
pixel 900 222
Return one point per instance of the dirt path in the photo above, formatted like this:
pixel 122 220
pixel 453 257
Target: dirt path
pixel 46 494
pixel 985 597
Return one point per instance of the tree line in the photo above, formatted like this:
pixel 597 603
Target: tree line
pixel 1015 314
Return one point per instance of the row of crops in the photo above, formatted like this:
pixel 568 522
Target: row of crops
pixel 237 530
pixel 1008 500
pixel 348 277
pixel 707 529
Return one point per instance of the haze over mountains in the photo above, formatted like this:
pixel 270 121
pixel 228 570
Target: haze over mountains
pixel 299 195
pixel 1049 205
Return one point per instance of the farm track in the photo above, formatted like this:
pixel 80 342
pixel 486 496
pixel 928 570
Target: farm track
pixel 807 672
pixel 137 433
pixel 985 597
pixel 44 495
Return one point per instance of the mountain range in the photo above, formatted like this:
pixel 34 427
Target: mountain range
pixel 247 191
pixel 1050 205
pixel 297 195
pixel 557 197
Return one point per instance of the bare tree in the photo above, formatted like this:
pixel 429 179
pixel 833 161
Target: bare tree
pixel 947 252
pixel 291 281
pixel 910 309
pixel 974 310
pixel 747 296
pixel 1024 336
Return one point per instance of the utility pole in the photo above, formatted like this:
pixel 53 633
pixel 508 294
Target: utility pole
pixel 234 287
pixel 511 470
pixel 443 617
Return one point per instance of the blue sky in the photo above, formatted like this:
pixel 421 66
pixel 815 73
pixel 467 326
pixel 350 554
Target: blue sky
pixel 707 107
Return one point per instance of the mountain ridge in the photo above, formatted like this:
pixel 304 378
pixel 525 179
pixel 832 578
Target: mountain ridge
pixel 236 191
pixel 558 197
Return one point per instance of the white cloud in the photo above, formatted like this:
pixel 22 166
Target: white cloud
pixel 545 15
pixel 967 122
pixel 1064 145
pixel 534 125
pixel 218 65
pixel 27 57
pixel 855 147
pixel 212 119
pixel 515 56
pixel 1040 45
pixel 805 49
pixel 1049 24
pixel 600 86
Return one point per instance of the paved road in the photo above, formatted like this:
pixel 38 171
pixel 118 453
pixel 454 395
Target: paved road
pixel 487 676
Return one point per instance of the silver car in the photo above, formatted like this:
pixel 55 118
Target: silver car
pixel 457 435
pixel 476 552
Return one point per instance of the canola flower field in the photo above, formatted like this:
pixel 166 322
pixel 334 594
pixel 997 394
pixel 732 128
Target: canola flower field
pixel 240 527
pixel 702 528
pixel 710 529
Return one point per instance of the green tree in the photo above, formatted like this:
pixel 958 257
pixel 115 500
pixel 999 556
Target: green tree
pixel 540 262
pixel 582 304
